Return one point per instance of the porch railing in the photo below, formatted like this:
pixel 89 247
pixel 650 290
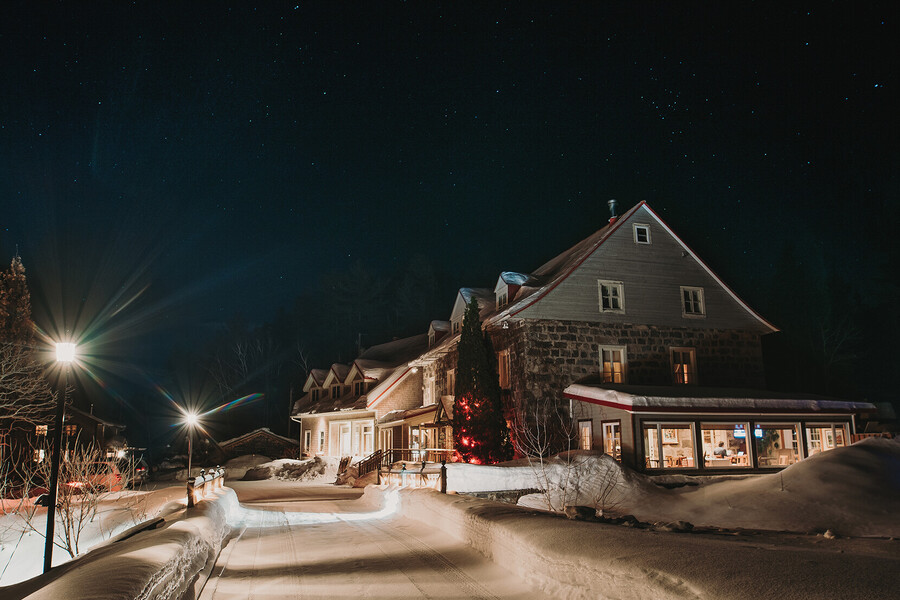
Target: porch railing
pixel 415 455
pixel 369 464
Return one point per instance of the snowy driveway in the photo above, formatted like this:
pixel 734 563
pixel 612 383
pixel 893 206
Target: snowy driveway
pixel 321 545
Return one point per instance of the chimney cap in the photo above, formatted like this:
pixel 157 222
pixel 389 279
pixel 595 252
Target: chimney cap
pixel 612 210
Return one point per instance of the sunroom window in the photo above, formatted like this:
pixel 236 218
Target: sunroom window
pixel 669 445
pixel 725 445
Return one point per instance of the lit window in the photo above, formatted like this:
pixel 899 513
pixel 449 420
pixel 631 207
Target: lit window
pixel 692 304
pixel 40 430
pixel 585 435
pixel 503 368
pixel 825 436
pixel 669 445
pixel 724 445
pixel 612 364
pixel 684 366
pixel 612 296
pixel 70 430
pixel 307 439
pixel 777 444
pixel 641 234
pixel 612 439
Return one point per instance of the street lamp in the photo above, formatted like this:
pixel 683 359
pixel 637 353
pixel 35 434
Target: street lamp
pixel 65 354
pixel 190 419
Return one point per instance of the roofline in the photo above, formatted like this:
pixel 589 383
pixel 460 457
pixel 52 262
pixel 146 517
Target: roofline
pixel 711 273
pixel 613 227
pixel 381 395
pixel 300 416
pixel 707 410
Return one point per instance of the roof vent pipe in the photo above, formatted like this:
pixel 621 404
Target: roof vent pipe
pixel 612 211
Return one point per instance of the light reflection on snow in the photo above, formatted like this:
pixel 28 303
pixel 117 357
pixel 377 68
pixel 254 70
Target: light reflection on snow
pixel 254 517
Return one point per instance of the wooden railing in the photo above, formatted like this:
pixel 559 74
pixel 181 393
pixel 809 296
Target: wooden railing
pixel 369 464
pixel 415 455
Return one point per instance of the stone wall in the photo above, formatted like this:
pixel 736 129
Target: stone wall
pixel 546 356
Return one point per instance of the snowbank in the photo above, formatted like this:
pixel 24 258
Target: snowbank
pixel 237 467
pixel 157 564
pixel 852 491
pixel 574 559
pixel 287 469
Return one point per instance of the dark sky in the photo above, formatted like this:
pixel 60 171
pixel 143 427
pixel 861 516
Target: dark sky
pixel 212 160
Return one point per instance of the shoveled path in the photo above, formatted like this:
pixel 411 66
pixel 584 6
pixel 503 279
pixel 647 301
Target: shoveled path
pixel 316 542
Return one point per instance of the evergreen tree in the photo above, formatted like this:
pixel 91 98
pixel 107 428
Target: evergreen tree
pixel 479 430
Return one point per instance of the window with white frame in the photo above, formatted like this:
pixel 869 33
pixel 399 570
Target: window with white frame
pixel 502 299
pixel 359 388
pixel 40 430
pixel 641 233
pixel 612 364
pixel 692 303
pixel 503 368
pixel 612 296
pixel 321 440
pixel 455 325
pixel 684 366
pixel 307 439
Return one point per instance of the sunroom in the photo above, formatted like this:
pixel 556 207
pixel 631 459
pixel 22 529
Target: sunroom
pixel 702 430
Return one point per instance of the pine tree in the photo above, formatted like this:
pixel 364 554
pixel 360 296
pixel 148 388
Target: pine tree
pixel 479 430
pixel 15 305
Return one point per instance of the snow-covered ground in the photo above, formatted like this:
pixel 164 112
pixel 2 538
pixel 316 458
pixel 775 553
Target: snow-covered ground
pixel 853 491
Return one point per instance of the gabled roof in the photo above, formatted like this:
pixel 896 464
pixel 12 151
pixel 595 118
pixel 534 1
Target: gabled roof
pixel 256 433
pixel 694 399
pixel 483 296
pixel 336 374
pixel 555 271
pixel 513 278
pixel 316 378
pixel 386 363
pixel 439 326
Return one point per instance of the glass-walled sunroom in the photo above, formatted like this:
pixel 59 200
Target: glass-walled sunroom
pixel 736 444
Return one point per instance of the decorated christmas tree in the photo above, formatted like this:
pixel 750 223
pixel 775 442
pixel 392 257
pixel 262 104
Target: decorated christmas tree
pixel 479 430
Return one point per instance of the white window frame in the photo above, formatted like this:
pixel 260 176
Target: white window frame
pixel 643 227
pixel 623 350
pixel 314 394
pixel 620 289
pixel 455 326
pixel 307 439
pixel 321 441
pixel 699 300
pixel 502 299
pixel 336 391
pixel 692 372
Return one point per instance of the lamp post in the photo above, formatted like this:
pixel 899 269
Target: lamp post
pixel 190 419
pixel 65 354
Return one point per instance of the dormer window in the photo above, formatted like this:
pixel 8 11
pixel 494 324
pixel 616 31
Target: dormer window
pixel 641 234
pixel 359 388
pixel 314 394
pixel 502 299
pixel 456 326
pixel 336 391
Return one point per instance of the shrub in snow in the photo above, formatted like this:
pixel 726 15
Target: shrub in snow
pixel 287 469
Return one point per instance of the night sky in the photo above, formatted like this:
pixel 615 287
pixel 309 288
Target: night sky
pixel 167 166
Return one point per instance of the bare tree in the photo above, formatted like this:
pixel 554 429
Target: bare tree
pixel 85 480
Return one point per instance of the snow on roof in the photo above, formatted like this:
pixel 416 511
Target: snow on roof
pixel 682 399
pixel 340 371
pixel 396 352
pixel 264 430
pixel 513 278
pixel 400 415
pixel 440 326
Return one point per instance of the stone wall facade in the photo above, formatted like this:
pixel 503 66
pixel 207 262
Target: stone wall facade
pixel 547 356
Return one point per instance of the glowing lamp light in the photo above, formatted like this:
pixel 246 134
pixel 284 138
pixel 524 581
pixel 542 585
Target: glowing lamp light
pixel 65 352
pixel 191 419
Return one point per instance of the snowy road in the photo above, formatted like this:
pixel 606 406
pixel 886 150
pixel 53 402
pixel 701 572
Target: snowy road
pixel 312 548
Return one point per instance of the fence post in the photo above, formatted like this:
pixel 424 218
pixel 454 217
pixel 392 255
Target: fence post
pixel 444 476
pixel 403 475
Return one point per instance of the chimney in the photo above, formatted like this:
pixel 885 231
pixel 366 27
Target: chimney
pixel 612 211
